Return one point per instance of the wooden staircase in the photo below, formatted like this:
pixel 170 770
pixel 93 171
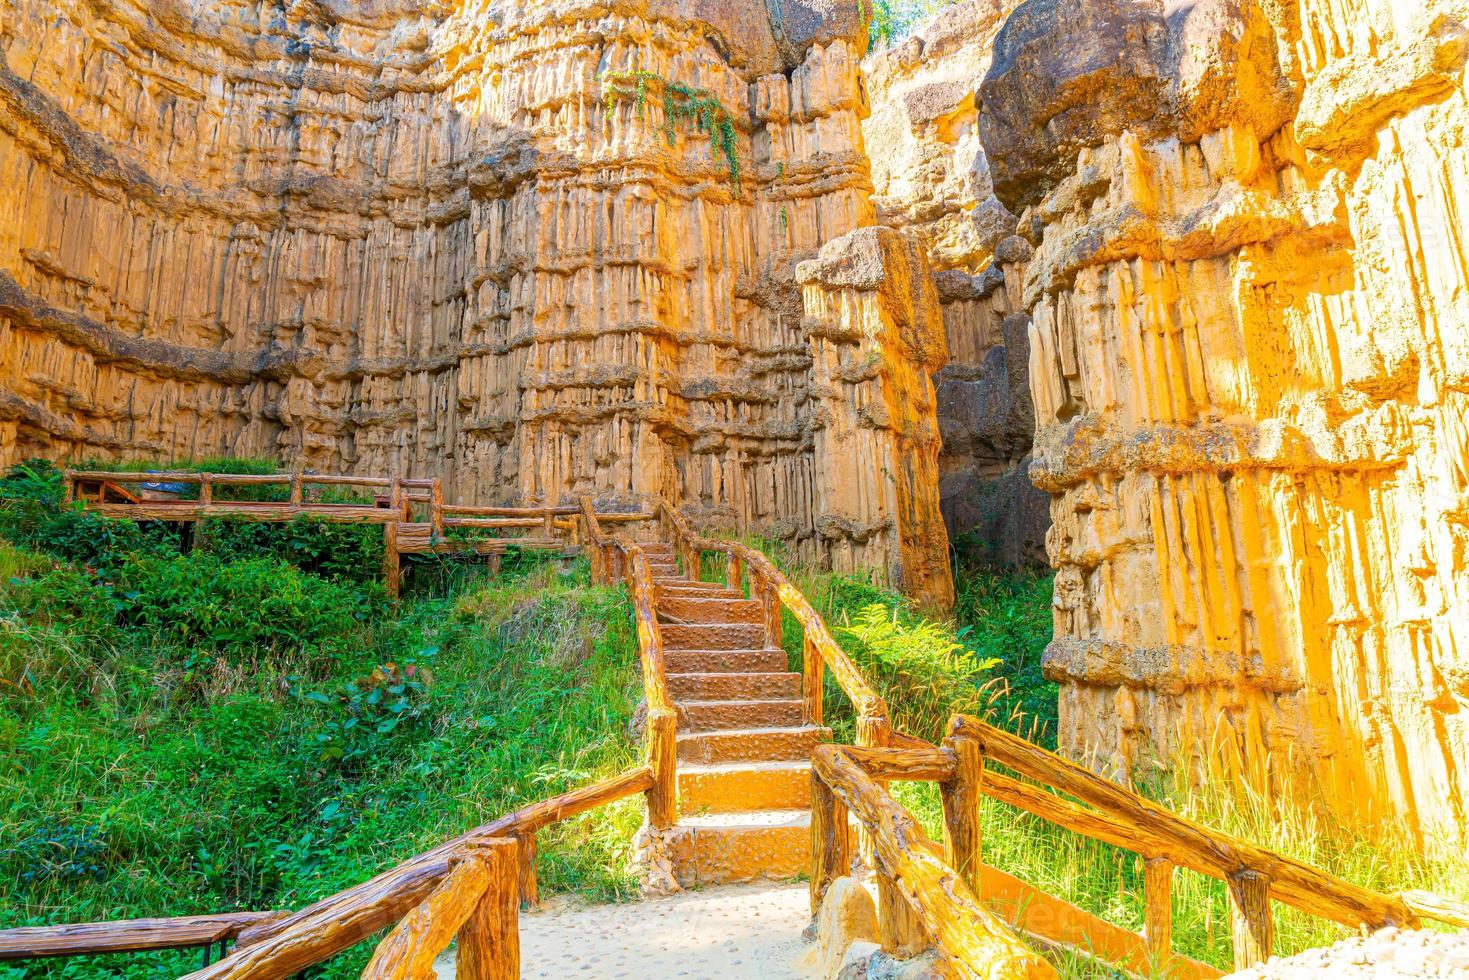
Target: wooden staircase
pixel 744 750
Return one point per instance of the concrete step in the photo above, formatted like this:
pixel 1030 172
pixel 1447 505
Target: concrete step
pixel 751 744
pixel 725 661
pixel 709 716
pixel 723 848
pixel 769 686
pixel 713 636
pixel 681 588
pixel 691 609
pixel 729 787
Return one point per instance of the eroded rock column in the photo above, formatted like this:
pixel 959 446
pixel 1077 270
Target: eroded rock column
pixel 1250 364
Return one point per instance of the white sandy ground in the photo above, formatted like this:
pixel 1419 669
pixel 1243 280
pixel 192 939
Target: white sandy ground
pixel 739 932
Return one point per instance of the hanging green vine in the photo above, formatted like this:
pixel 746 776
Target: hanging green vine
pixel 681 104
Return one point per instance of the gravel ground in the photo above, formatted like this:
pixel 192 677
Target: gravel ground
pixel 743 932
pixel 1385 953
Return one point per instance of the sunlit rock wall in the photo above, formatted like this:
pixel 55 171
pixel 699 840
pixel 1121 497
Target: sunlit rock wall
pixel 1250 365
pixel 410 237
pixel 932 182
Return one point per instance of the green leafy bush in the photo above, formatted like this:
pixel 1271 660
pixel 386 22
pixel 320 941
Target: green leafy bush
pixel 350 552
pixel 367 713
pixel 924 670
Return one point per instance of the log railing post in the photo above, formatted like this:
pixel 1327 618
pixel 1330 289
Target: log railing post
pixel 206 492
pixel 68 486
pixel 734 573
pixel 1252 925
pixel 391 558
pixel 526 850
pixel 550 523
pixel 296 488
pixel 770 604
pixel 489 941
pixel 961 799
pixel 812 669
pixel 662 760
pixel 1158 910
pixel 831 840
pixel 436 509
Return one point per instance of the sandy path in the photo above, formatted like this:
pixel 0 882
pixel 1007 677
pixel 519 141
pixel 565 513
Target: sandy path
pixel 741 932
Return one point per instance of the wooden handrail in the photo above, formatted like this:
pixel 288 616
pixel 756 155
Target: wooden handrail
pixel 865 700
pixel 974 940
pixel 1106 812
pixel 126 935
pixel 1188 844
pixel 662 722
pixel 482 878
pixel 325 928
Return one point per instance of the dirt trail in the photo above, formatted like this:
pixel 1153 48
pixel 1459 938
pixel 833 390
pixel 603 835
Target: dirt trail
pixel 738 932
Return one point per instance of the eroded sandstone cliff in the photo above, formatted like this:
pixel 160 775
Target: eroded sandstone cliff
pixel 932 181
pixel 426 238
pixel 1250 364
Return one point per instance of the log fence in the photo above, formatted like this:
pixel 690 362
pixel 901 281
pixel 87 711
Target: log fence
pixel 965 908
pixel 412 512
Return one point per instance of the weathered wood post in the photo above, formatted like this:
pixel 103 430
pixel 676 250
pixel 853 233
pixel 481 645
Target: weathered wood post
pixel 770 604
pixel 1158 909
pixel 734 572
pixel 68 486
pixel 662 760
pixel 296 487
pixel 206 492
pixel 899 929
pixel 436 509
pixel 831 840
pixel 1252 925
pixel 489 941
pixel 812 670
pixel 961 798
pixel 530 888
pixel 391 559
pixel 549 523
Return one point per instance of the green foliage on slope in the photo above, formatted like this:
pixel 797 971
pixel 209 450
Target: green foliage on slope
pixel 242 727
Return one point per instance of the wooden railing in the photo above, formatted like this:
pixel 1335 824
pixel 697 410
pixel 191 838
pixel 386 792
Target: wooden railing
pixel 774 590
pixel 963 906
pixel 615 557
pixel 470 886
pixel 414 516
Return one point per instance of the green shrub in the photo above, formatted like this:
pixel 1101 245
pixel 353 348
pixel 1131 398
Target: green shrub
pixel 350 552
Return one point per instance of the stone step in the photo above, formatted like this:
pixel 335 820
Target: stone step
pixel 723 848
pixel 713 636
pixel 768 686
pixel 729 787
pixel 697 609
pixel 708 716
pixel 751 744
pixel 680 588
pixel 725 661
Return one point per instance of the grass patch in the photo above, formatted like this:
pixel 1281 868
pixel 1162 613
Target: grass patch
pixel 233 729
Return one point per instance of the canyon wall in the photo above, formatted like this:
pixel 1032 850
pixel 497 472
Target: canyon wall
pixel 931 181
pixel 460 239
pixel 1249 356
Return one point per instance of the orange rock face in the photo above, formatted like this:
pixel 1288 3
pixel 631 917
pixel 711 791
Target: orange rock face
pixel 420 238
pixel 1250 365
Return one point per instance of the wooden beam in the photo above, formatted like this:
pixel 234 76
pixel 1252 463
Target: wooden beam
pixel 1158 910
pixel 831 841
pixel 973 938
pixel 960 796
pixel 409 951
pixel 931 764
pixel 1060 923
pixel 489 943
pixel 126 935
pixel 1191 845
pixel 1251 923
